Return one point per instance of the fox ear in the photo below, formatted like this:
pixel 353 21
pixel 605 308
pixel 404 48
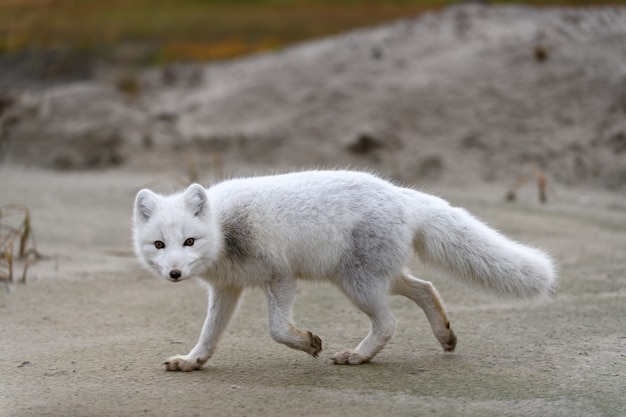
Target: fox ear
pixel 196 200
pixel 145 203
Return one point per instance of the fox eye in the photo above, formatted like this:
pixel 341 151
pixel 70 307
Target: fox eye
pixel 189 242
pixel 159 245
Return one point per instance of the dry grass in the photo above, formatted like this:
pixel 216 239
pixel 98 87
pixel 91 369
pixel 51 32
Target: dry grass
pixel 166 30
pixel 528 174
pixel 160 31
pixel 56 38
pixel 17 242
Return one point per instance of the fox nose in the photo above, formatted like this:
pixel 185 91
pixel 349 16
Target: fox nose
pixel 175 273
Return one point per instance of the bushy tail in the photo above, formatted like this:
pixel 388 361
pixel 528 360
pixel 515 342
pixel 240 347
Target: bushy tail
pixel 451 239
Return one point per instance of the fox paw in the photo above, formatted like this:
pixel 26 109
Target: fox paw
pixel 315 345
pixel 449 341
pixel 348 358
pixel 183 363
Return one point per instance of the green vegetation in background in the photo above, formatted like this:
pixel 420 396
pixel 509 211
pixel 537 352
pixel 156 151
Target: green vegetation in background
pixel 157 31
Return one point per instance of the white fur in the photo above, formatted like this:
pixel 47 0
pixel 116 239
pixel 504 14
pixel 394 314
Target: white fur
pixel 350 228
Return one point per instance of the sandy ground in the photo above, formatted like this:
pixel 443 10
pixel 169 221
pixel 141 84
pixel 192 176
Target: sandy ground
pixel 86 335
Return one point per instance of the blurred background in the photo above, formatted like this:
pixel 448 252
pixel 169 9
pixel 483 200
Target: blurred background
pixel 422 90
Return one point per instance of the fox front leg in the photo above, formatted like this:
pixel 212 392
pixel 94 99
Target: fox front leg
pixel 222 304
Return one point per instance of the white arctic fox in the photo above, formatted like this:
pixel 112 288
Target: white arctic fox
pixel 350 228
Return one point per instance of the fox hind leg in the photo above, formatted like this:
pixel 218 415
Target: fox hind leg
pixel 382 324
pixel 425 295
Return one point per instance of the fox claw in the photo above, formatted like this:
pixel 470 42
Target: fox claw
pixel 315 345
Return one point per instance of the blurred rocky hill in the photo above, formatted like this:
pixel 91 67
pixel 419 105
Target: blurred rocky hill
pixel 467 93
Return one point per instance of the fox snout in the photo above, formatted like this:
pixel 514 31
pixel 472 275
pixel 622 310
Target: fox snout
pixel 173 266
pixel 174 273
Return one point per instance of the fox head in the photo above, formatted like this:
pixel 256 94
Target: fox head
pixel 175 236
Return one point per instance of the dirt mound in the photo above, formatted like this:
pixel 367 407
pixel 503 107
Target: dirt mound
pixel 469 92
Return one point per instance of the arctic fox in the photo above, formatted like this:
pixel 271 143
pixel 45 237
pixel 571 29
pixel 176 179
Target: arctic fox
pixel 350 228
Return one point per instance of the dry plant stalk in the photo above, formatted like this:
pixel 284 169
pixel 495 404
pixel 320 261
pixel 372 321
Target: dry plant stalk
pixel 523 178
pixel 19 232
pixel 193 172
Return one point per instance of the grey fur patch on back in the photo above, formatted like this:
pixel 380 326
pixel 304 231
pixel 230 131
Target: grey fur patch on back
pixel 374 251
pixel 238 235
